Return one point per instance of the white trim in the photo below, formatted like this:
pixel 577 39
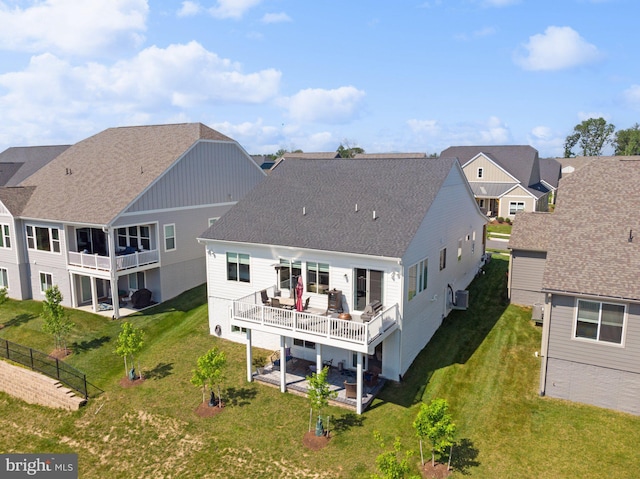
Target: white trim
pixel 165 237
pixel 165 210
pixel 61 243
pixel 4 237
pixel 40 273
pixel 6 275
pixel 625 316
pixel 211 221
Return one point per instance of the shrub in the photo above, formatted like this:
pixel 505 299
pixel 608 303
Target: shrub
pixel 507 220
pixel 500 219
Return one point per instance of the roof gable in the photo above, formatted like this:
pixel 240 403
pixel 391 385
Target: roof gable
pixel 18 163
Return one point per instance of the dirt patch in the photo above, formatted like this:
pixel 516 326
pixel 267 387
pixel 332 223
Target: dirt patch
pixel 313 442
pixel 128 383
pixel 439 471
pixel 204 410
pixel 60 353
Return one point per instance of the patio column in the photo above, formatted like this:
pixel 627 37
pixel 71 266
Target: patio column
pixel 249 358
pixel 283 366
pixel 318 357
pixel 359 384
pixel 113 278
pixel 94 294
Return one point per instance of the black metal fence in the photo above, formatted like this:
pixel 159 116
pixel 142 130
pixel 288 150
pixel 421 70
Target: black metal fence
pixel 45 364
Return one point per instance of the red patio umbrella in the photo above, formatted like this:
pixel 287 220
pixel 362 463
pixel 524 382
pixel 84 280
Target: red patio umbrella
pixel 299 290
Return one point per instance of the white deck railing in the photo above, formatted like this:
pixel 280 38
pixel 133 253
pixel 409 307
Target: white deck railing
pixel 251 310
pixel 125 261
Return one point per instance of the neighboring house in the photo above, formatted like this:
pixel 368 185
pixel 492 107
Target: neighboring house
pixel 121 211
pixel 569 165
pixel 591 329
pixel 550 173
pixel 504 179
pixel 399 237
pixel 18 163
pixel 388 156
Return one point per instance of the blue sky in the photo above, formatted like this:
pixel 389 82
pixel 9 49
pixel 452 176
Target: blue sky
pixel 386 76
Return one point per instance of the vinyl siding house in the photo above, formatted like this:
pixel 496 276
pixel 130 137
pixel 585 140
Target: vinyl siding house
pixel 505 179
pixel 591 329
pixel 121 211
pixel 406 233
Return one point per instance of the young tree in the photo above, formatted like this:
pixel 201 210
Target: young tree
pixel 3 295
pixel 388 463
pixel 56 322
pixel 434 423
pixel 319 392
pixel 130 341
pixel 591 135
pixel 210 371
pixel 627 142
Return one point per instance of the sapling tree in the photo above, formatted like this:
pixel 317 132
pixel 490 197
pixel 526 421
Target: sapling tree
pixel 434 424
pixel 389 462
pixel 130 341
pixel 56 323
pixel 319 392
pixel 210 372
pixel 3 295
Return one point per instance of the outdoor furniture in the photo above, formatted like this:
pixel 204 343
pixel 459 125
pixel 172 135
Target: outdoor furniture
pixel 141 298
pixel 306 303
pixel 287 303
pixel 265 297
pixel 351 390
pixel 276 357
pixel 371 310
pixel 275 302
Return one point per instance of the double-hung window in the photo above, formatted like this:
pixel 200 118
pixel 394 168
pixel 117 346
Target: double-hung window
pixel 46 282
pixel 5 238
pixel 418 274
pixel 597 321
pixel 4 278
pixel 317 278
pixel 515 206
pixel 238 267
pixel 43 239
pixel 169 237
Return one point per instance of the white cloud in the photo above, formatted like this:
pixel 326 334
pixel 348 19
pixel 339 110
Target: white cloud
pixel 232 8
pixel 429 127
pixel 71 26
pixel 276 18
pixel 189 9
pixel 558 48
pixel 330 106
pixel 499 3
pixel 632 96
pixel 546 141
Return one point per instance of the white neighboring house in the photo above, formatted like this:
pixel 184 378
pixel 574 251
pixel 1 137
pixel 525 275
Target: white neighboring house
pixel 120 211
pixel 407 233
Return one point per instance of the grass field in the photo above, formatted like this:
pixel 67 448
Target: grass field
pixel 481 360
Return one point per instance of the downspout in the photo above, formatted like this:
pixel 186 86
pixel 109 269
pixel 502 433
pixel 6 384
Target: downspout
pixel 546 325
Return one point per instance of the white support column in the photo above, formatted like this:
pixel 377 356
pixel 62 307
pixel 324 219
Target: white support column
pixel 94 294
pixel 113 277
pixel 283 366
pixel 359 384
pixel 318 357
pixel 249 357
pixel 74 294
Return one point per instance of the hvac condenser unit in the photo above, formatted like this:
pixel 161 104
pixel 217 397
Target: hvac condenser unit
pixel 462 299
pixel 537 314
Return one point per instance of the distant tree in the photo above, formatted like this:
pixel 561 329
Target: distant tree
pixel 434 424
pixel 591 136
pixel 348 151
pixel 319 392
pixel 56 323
pixel 130 341
pixel 627 142
pixel 389 464
pixel 210 372
pixel 433 155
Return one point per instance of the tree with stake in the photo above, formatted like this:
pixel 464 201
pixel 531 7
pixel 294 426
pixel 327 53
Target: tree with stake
pixel 434 423
pixel 56 322
pixel 388 463
pixel 129 344
pixel 319 394
pixel 210 371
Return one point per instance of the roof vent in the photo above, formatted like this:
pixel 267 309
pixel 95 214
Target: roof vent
pixel 374 215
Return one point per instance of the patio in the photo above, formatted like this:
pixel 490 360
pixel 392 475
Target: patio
pixel 299 369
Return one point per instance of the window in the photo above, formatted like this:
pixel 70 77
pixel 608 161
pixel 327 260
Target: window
pixel 169 237
pixel 443 258
pixel 417 278
pixel 43 239
pixel 138 237
pixel 481 202
pixel 46 282
pixel 480 172
pixel 212 220
pixel 367 287
pixel 317 278
pixel 5 238
pixel 460 249
pixel 238 330
pixel 515 206
pixel 304 344
pixel 4 278
pixel 136 280
pixel 288 270
pixel 238 267
pixel 600 321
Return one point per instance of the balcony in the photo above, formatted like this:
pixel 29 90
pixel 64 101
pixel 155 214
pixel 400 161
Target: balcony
pixel 123 261
pixel 354 334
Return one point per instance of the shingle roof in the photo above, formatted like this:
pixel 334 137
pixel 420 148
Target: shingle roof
pixel 319 155
pixel 95 179
pixel 399 191
pixel 531 231
pixel 390 156
pixel 490 190
pixel 550 171
pixel 15 197
pixel 19 162
pixel 596 211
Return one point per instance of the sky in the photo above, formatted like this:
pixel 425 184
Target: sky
pixel 403 76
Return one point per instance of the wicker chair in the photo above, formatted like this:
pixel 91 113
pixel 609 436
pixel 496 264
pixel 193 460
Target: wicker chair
pixel 351 390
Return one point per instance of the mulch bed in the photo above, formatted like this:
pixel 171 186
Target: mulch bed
pixel 60 353
pixel 313 442
pixel 127 383
pixel 204 410
pixel 438 472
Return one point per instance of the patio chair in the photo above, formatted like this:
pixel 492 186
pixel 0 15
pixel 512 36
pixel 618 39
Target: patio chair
pixel 306 303
pixel 276 357
pixel 265 298
pixel 351 390
pixel 275 303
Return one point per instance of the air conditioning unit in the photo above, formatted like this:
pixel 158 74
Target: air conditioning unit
pixel 462 299
pixel 537 314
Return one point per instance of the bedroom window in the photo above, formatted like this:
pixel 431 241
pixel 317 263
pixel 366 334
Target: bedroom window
pixel 43 239
pixel 238 267
pixel 169 237
pixel 418 274
pixel 599 321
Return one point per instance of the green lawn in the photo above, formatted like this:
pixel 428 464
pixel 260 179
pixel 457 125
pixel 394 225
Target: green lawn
pixel 481 360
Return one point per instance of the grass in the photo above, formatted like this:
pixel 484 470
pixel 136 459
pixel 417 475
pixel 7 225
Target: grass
pixel 481 360
pixel 501 228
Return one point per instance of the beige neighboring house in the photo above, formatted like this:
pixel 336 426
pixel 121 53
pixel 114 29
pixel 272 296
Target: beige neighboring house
pixel 119 212
pixel 505 179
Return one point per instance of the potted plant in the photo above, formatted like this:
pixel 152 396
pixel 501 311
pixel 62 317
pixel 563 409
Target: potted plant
pixel 259 360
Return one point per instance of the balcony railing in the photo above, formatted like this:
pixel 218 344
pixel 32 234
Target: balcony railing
pixel 280 321
pixel 123 262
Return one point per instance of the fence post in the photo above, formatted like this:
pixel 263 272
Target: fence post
pixel 31 354
pixel 57 369
pixel 7 345
pixel 86 391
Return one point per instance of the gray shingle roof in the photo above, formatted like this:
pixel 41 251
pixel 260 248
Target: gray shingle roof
pixel 18 163
pixel 490 190
pixel 400 192
pixel 550 171
pixel 95 179
pixel 15 198
pixel 318 155
pixel 590 252
pixel 390 156
pixel 531 231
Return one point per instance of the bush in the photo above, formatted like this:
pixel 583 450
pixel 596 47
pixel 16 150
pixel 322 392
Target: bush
pixel 507 220
pixel 500 219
